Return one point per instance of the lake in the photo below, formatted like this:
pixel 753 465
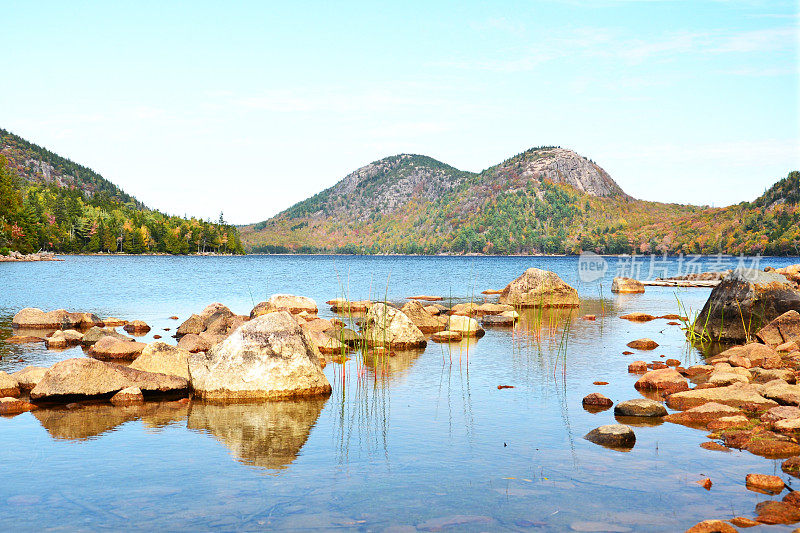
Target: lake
pixel 422 441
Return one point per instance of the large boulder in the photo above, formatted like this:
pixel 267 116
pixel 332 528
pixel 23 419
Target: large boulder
pixel 269 357
pixel 743 303
pixel 426 322
pixel 387 326
pixel 626 286
pixel 162 358
pixel 35 318
pixel 783 329
pixel 86 377
pixel 539 288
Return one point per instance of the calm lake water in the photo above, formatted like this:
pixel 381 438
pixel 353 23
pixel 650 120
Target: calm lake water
pixel 423 442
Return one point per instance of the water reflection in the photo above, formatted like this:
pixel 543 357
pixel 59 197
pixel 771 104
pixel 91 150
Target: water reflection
pixel 90 421
pixel 265 434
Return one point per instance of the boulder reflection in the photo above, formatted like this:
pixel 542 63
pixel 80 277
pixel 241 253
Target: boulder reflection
pixel 89 421
pixel 265 434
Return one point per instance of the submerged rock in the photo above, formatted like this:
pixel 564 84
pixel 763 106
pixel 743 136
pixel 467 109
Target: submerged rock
pixel 269 357
pixel 89 377
pixel 744 302
pixel 643 344
pixel 387 326
pixel 539 288
pixel 446 336
pixel 498 321
pixel 612 436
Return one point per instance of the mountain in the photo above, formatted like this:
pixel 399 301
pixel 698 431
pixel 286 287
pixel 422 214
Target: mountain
pixel 545 200
pixel 48 202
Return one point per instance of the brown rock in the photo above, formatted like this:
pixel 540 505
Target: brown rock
pixel 784 328
pixel 672 362
pixel 193 325
pixel 665 380
pixel 791 466
pixel 741 521
pixel 788 347
pixel 162 358
pixel 638 317
pixel 13 406
pixel 193 343
pixel 539 288
pixel 781 412
pixel 792 498
pixel 293 304
pixel 596 399
pixel 705 483
pixel 128 396
pixel 735 395
pixel 712 526
pixel 589 317
pixel 728 422
pixel 772 512
pixel 89 377
pixel 109 348
pixel 714 446
pixel 637 367
pixel 8 386
pixel 136 326
pixel 421 318
pixel 446 336
pixel 34 318
pixel 173 317
pixel 643 344
pixel 626 286
pixel 64 338
pixel 626 352
pixel 702 414
pixel 24 339
pixel 28 377
pixel 113 322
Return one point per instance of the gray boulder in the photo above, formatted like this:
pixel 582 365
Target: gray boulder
pixel 612 436
pixel 744 302
pixel 640 407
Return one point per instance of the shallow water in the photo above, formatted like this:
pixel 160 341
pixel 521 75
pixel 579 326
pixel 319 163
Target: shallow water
pixel 424 440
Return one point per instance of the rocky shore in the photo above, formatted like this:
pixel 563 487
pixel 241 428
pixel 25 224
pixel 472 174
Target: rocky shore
pixel 18 257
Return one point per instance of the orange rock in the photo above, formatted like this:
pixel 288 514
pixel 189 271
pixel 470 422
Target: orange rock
pixel 643 344
pixel 712 526
pixel 705 483
pixel 764 483
pixel 637 367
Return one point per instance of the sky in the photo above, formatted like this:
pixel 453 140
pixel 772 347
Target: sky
pixel 246 108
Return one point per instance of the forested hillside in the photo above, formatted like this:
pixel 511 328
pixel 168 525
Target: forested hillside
pixel 50 203
pixel 545 200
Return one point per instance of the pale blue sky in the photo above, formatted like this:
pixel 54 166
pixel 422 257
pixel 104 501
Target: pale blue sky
pixel 248 107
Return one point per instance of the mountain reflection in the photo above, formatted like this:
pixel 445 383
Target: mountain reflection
pixel 266 434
